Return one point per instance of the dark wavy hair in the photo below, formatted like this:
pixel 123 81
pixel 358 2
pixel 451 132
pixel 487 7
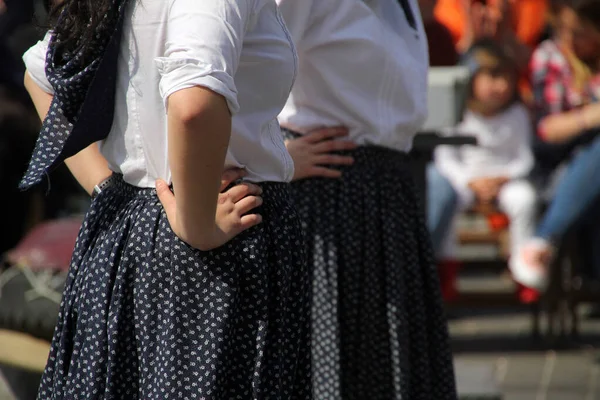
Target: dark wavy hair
pixel 75 22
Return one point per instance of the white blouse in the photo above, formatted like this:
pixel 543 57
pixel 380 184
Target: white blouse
pixel 361 65
pixel 240 49
pixel 503 147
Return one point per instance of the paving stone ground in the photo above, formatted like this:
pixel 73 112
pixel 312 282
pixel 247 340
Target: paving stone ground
pixel 496 355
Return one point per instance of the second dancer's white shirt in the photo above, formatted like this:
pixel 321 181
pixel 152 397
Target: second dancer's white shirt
pixel 238 48
pixel 361 65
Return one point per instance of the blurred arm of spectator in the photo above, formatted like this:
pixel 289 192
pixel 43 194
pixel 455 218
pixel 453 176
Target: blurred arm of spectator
pixel 551 81
pixel 88 166
pixel 450 165
pixel 556 128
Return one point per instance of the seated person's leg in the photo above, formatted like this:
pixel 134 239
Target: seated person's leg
pixel 442 204
pixel 577 191
pixel 518 200
pixel 441 207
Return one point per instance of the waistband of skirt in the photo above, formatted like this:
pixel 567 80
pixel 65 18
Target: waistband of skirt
pixel 274 191
pixel 118 184
pixel 367 155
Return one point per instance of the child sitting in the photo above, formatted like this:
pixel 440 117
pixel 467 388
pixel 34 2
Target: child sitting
pixel 493 172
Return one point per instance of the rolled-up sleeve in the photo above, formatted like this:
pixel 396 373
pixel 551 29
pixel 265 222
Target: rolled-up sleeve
pixel 204 44
pixel 35 62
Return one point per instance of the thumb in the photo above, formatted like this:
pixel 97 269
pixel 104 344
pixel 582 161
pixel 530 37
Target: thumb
pixel 166 198
pixel 231 175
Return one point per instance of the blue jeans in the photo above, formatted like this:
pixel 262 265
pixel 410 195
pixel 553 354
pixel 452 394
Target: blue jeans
pixel 441 206
pixel 576 194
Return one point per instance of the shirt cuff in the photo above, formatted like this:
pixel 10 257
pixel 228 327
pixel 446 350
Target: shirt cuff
pixel 184 73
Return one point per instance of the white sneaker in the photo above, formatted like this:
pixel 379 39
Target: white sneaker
pixel 531 276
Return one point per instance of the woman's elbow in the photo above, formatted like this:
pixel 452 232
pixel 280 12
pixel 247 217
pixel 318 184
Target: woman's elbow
pixel 189 105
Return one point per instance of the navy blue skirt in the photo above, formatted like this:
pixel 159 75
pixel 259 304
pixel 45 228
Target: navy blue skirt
pixel 145 316
pixel 378 326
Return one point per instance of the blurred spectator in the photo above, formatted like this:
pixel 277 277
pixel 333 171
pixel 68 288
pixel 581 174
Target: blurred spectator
pixel 468 20
pixel 494 172
pixel 561 69
pixel 442 51
pixel 567 112
pixel 514 24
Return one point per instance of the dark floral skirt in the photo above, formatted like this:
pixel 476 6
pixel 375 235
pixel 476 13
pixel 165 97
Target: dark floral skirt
pixel 378 327
pixel 145 316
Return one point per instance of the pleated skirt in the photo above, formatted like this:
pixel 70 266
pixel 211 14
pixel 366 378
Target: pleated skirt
pixel 145 316
pixel 378 327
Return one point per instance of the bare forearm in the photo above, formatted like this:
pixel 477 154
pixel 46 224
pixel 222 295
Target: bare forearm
pixel 561 127
pixel 88 166
pixel 199 126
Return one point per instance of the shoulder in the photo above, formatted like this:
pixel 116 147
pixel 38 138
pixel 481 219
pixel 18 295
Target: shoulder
pixel 518 116
pixel 35 62
pixel 469 124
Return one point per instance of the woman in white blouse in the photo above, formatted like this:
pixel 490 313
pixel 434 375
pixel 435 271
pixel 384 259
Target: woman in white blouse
pixel 186 281
pixel 378 329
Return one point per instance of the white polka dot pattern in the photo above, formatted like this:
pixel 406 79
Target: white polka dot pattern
pixel 145 316
pixel 378 326
pixel 71 75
